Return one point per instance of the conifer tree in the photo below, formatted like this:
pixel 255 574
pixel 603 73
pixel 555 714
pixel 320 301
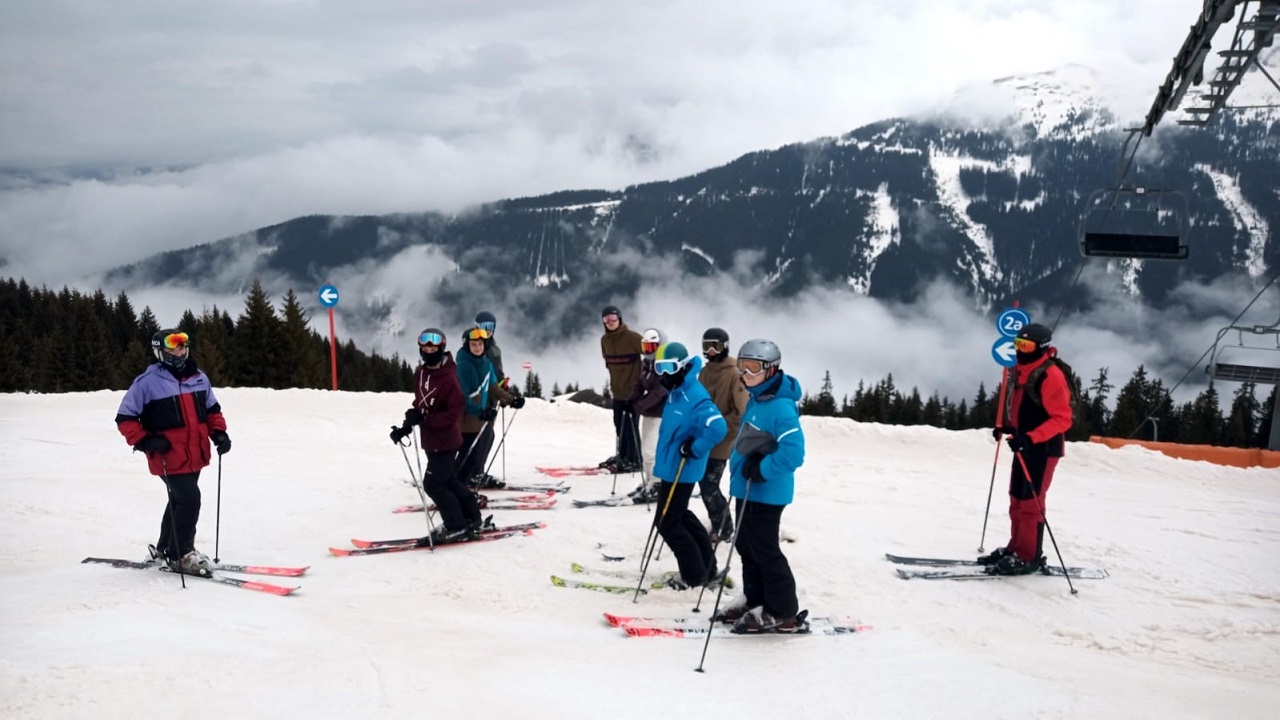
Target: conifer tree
pixel 256 361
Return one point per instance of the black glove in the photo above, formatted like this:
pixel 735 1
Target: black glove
pixel 686 448
pixel 154 444
pixel 1000 431
pixel 518 402
pixel 751 468
pixel 221 441
pixel 1019 442
pixel 625 406
pixel 399 433
pixel 412 416
pixel 489 414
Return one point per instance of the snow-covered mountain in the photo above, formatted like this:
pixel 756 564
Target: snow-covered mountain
pixel 992 206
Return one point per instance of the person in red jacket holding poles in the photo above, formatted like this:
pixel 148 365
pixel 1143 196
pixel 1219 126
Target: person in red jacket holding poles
pixel 1038 419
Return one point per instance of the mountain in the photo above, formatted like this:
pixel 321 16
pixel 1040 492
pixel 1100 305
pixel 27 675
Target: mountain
pixel 991 206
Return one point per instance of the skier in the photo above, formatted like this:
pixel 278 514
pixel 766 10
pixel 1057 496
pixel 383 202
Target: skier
pixel 691 426
pixel 767 452
pixel 171 415
pixel 1039 416
pixel 437 411
pixel 720 377
pixel 620 347
pixel 487 321
pixel 647 399
pixel 479 382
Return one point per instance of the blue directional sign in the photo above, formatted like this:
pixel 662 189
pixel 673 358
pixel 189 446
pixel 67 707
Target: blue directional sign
pixel 1011 321
pixel 329 296
pixel 1003 353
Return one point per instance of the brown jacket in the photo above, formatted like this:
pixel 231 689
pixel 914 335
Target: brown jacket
pixel 730 396
pixel 621 351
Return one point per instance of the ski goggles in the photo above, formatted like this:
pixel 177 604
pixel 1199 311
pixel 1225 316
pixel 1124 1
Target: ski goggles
pixel 488 327
pixel 430 337
pixel 750 367
pixel 649 348
pixel 1024 345
pixel 669 367
pixel 477 333
pixel 173 341
pixel 713 347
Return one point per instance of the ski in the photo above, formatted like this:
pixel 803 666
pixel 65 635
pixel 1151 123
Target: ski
pixel 571 471
pixel 262 569
pixel 558 488
pixel 700 628
pixel 962 572
pixel 619 501
pixel 598 587
pixel 958 568
pixel 547 496
pixel 632 575
pixel 406 547
pixel 534 502
pixel 236 582
pixel 414 540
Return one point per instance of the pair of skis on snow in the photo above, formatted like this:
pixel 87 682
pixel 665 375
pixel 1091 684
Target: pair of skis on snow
pixel 382 547
pixel 542 501
pixel 660 582
pixel 700 627
pixel 215 575
pixel 925 568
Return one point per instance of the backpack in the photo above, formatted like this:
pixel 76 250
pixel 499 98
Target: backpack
pixel 1036 377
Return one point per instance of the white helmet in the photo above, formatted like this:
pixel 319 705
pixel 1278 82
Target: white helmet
pixel 650 339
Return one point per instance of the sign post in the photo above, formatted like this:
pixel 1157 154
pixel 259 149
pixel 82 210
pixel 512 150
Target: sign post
pixel 329 298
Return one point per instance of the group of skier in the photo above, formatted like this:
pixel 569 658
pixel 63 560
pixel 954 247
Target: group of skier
pixel 678 419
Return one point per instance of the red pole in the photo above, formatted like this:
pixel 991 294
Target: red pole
pixel 333 351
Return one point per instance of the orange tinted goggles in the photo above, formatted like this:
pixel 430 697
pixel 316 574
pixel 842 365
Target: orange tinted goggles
pixel 477 334
pixel 750 367
pixel 1024 345
pixel 173 341
pixel 649 348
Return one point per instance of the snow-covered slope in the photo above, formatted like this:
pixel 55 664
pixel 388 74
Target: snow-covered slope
pixel 1186 626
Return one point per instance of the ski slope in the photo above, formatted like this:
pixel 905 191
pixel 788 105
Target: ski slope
pixel 1187 626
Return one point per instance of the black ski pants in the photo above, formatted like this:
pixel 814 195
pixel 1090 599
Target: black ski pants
pixel 181 513
pixel 627 430
pixel 684 534
pixel 766 574
pixel 456 504
pixel 473 464
pixel 714 500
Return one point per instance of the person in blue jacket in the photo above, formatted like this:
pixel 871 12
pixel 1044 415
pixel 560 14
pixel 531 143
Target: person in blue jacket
pixel 766 454
pixel 691 426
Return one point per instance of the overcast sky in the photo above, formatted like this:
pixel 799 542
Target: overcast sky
pixel 128 128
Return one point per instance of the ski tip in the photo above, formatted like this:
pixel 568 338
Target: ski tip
pixel 340 552
pixel 273 589
pixel 616 620
pixel 361 543
pixel 580 568
pixel 557 581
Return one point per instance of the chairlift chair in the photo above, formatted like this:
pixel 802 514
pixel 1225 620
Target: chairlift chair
pixel 1135 222
pixel 1242 373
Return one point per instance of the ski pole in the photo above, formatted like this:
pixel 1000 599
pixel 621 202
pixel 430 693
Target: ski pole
pixel 474 441
pixel 417 457
pixel 649 543
pixel 426 506
pixel 1000 413
pixel 173 522
pixel 506 427
pixel 1027 474
pixel 217 516
pixel 728 561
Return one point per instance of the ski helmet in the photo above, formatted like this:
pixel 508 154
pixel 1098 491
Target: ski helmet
pixel 649 341
pixel 476 333
pixel 487 320
pixel 670 358
pixel 171 348
pixel 765 352
pixel 431 346
pixel 715 344
pixel 1036 333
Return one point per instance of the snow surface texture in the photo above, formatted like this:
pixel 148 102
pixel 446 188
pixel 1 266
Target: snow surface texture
pixel 1187 626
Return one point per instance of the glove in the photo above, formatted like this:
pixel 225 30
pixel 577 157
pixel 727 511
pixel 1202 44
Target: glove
pixel 399 433
pixel 220 440
pixel 154 444
pixel 1019 442
pixel 489 414
pixel 751 468
pixel 412 417
pixel 1000 431
pixel 518 402
pixel 625 406
pixel 686 448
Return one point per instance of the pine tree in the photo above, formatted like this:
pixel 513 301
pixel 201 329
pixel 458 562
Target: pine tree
pixel 1202 420
pixel 1242 421
pixel 303 365
pixel 256 360
pixel 1098 416
pixel 555 389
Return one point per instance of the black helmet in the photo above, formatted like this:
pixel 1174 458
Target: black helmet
pixel 165 344
pixel 431 346
pixel 715 344
pixel 487 320
pixel 1038 334
pixel 611 310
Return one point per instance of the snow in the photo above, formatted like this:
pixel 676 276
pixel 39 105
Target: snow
pixel 1187 626
pixel 1064 103
pixel 883 231
pixel 1244 216
pixel 946 171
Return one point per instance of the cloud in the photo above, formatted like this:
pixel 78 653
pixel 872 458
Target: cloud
pixel 159 125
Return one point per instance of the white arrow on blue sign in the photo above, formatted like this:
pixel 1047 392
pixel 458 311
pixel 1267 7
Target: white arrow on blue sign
pixel 328 296
pixel 1003 353
pixel 1011 321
